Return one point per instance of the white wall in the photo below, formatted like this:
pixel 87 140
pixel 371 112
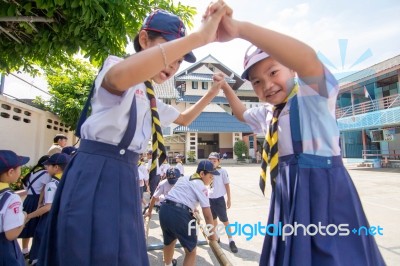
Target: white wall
pixel 27 130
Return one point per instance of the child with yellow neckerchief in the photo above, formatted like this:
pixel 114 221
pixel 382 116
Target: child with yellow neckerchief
pixel 12 218
pixel 177 212
pixel 55 166
pixel 310 185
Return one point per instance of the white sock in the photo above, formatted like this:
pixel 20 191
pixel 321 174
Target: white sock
pixel 230 239
pixel 25 250
pixel 168 264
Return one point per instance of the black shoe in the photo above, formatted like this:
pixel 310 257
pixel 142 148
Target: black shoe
pixel 219 240
pixel 233 247
pixel 174 262
pixel 26 255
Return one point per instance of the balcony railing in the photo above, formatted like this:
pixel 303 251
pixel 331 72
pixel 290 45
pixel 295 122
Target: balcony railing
pixel 369 106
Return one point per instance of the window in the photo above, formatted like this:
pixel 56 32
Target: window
pixel 194 85
pixel 204 85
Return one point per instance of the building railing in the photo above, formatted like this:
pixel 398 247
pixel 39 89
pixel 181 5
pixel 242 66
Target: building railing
pixel 369 106
pixel 379 154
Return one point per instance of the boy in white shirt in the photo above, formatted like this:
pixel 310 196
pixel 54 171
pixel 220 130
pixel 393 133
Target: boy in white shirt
pixel 219 189
pixel 177 212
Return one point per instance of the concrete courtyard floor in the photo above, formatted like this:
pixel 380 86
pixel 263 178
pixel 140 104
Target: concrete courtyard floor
pixel 379 190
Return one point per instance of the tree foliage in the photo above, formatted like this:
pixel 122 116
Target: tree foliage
pixel 240 148
pixel 48 33
pixel 69 88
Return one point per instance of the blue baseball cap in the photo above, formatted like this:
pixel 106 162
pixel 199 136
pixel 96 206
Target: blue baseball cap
pixel 172 175
pixel 206 166
pixel 9 159
pixel 70 150
pixel 57 159
pixel 168 25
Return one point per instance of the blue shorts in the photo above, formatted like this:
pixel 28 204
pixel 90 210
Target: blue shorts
pixel 218 209
pixel 174 223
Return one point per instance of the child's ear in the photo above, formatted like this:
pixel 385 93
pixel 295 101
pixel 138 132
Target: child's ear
pixel 143 39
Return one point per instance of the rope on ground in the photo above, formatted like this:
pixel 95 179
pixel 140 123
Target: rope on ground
pixel 215 247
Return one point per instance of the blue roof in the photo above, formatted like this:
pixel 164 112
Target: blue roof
pixel 215 122
pixel 196 98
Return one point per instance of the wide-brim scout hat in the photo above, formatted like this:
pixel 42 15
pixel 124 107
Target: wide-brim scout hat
pixel 9 160
pixel 168 25
pixel 207 166
pixel 251 58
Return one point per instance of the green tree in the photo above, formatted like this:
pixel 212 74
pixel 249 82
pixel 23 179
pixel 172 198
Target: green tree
pixel 47 33
pixel 240 148
pixel 69 87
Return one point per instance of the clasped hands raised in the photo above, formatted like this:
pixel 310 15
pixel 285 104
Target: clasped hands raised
pixel 218 24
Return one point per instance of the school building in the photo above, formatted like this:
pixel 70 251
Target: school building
pixel 368 113
pixel 216 129
pixel 368 116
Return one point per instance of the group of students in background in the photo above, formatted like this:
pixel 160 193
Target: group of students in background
pixel 179 196
pixel 28 220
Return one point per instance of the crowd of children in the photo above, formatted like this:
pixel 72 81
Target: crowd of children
pixel 305 165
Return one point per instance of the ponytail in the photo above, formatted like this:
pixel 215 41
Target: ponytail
pixel 37 167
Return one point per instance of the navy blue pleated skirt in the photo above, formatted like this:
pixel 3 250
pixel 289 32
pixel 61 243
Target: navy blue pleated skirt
pixel 96 216
pixel 318 190
pixel 38 237
pixel 30 205
pixel 10 252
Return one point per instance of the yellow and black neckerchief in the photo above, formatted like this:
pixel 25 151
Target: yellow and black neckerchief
pixel 195 176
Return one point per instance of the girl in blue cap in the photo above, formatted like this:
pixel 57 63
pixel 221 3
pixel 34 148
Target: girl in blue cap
pixel 94 218
pixel 311 189
pixel 34 183
pixel 12 217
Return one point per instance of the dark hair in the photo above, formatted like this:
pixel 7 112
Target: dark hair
pixel 58 137
pixel 37 167
pixel 152 36
pixel 62 165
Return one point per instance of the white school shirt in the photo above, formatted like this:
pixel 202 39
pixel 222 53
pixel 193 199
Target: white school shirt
pixel 11 215
pixel 164 167
pixel 191 193
pixel 218 188
pixel 39 183
pixel 318 127
pixel 143 174
pixel 162 190
pixel 179 166
pixel 50 191
pixel 110 113
pixel 148 165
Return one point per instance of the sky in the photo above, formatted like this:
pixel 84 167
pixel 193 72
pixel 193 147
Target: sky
pixel 347 35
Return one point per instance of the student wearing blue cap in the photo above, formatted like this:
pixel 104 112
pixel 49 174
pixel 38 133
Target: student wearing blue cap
pixel 95 220
pixel 34 183
pixel 55 166
pixel 176 213
pixel 12 217
pixel 163 188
